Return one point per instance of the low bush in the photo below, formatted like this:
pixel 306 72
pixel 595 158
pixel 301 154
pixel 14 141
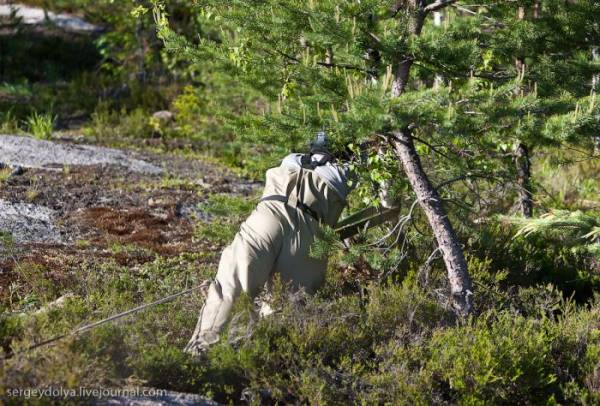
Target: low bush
pixel 379 343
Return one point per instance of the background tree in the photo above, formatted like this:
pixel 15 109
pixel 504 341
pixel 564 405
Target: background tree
pixel 317 60
pixel 246 82
pixel 368 68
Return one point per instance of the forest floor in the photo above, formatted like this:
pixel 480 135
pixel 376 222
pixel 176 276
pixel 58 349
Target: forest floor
pixel 121 181
pixel 71 204
pixel 60 208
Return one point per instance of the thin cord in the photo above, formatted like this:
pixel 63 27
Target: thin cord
pixel 108 320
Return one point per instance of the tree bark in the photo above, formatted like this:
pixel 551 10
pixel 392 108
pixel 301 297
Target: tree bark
pixel 329 56
pixel 524 180
pixel 522 161
pixel 429 200
pixel 447 240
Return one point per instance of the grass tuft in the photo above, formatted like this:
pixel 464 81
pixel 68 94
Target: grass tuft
pixel 41 125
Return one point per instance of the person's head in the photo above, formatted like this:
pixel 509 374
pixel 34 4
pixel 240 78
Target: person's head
pixel 320 144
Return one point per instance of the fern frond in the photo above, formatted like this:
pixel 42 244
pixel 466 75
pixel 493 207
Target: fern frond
pixel 594 234
pixel 557 221
pixel 575 228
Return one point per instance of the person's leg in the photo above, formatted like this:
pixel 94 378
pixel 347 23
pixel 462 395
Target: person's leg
pixel 245 265
pixel 295 264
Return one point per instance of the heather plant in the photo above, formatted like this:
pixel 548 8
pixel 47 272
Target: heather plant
pixel 490 107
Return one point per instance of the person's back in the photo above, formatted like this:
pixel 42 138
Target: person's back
pixel 299 195
pixel 323 189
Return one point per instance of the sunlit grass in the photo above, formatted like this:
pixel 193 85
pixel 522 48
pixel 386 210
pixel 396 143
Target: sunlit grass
pixel 41 125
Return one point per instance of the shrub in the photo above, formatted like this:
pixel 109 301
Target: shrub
pixel 116 126
pixel 8 122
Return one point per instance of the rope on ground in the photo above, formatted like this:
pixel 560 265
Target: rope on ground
pixel 107 320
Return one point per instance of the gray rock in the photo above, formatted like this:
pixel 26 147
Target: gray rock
pixel 17 171
pixel 28 222
pixel 168 398
pixel 38 16
pixel 56 304
pixel 164 115
pixel 192 211
pixel 32 153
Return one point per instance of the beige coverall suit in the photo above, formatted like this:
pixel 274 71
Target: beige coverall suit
pixel 276 237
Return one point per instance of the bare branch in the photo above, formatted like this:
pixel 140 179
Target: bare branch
pixel 398 5
pixel 438 5
pixel 467 177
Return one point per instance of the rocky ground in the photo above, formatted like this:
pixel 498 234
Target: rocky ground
pixel 168 399
pixel 62 203
pixel 61 198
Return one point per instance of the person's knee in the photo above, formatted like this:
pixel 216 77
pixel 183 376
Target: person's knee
pixel 226 290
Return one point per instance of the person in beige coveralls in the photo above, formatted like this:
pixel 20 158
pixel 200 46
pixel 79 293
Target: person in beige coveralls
pixel 303 192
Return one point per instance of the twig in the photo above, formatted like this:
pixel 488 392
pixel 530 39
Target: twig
pixel 434 149
pixel 466 10
pixel 438 5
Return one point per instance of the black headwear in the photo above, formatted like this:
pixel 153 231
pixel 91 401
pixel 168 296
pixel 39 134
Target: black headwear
pixel 320 145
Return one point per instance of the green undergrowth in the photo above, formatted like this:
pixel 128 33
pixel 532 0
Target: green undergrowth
pixel 388 338
pixel 378 332
pixel 224 215
pixel 394 343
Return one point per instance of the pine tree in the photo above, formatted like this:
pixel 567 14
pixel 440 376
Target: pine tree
pixel 370 69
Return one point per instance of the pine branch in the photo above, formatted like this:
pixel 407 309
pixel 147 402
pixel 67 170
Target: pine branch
pixel 496 23
pixel 434 149
pixel 326 64
pixel 467 177
pixel 574 228
pixel 496 75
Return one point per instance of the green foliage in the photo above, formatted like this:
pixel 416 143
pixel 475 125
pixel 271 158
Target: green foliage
pixel 8 122
pixel 380 343
pixel 572 228
pixel 248 82
pixel 350 97
pixel 534 260
pixel 114 125
pixel 225 215
pixel 231 206
pixel 41 125
pixel 5 174
pixel 509 360
pixel 323 243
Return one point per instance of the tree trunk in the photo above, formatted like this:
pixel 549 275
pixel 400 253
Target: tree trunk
pixel 429 200
pixel 524 180
pixel 522 161
pixel 595 82
pixel 447 240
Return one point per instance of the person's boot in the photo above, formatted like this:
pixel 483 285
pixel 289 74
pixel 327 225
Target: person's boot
pixel 200 342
